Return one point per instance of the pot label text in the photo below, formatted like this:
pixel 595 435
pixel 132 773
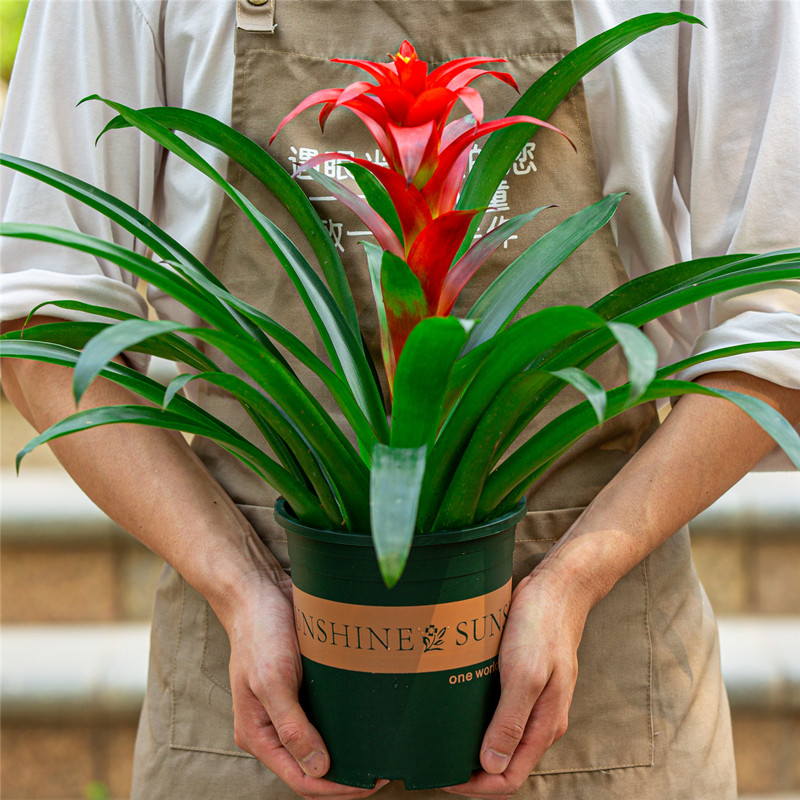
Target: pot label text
pixel 401 639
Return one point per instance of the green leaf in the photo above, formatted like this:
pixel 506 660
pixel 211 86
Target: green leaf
pixel 77 334
pixel 161 243
pixel 129 218
pixel 343 348
pixel 339 390
pixel 377 197
pixel 523 467
pixel 421 380
pixel 512 351
pixel 110 342
pixel 588 386
pixel 160 276
pixel 395 485
pixel 265 168
pixel 329 443
pixel 643 299
pixel 542 98
pixel 463 270
pixel 287 442
pixel 640 353
pixel 724 352
pixel 264 466
pixel 374 262
pixel 496 307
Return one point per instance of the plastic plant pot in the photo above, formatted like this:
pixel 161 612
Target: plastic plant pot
pixel 401 683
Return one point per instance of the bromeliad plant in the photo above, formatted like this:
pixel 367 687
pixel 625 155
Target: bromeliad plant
pixel 462 390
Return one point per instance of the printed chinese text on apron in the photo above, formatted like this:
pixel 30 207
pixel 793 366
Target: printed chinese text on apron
pixel 649 650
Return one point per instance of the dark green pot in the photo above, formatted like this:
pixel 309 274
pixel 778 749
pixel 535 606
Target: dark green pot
pixel 401 683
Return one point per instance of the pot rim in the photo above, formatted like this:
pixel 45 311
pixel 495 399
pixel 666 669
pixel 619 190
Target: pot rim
pixel 497 525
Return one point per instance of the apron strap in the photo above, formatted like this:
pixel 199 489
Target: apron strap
pixel 256 15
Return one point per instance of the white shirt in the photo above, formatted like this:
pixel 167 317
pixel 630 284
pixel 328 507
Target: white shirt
pixel 698 125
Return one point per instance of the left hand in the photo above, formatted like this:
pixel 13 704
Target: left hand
pixel 538 668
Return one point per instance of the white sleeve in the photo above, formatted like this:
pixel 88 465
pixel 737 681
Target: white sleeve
pixel 69 50
pixel 738 171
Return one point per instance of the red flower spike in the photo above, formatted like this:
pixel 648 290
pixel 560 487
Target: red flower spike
pixel 472 99
pixel 435 248
pixel 466 266
pixel 406 96
pixel 406 110
pixel 448 157
pixel 442 76
pixel 322 96
pixel 411 144
pixel 404 302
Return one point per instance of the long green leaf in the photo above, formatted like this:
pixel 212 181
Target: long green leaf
pixel 725 352
pixel 11 346
pixel 519 345
pixel 136 223
pixel 726 273
pixel 514 475
pixel 497 306
pixel 395 484
pixel 375 266
pixel 459 505
pixel 344 349
pixel 158 275
pixel 248 154
pixel 161 243
pixel 339 390
pixel 77 334
pixel 335 452
pixel 542 98
pixel 268 469
pixel 110 342
pixel 288 444
pixel 420 383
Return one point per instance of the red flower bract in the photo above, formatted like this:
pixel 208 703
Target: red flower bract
pixel 406 110
pixel 406 97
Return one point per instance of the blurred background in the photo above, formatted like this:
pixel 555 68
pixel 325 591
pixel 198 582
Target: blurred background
pixel 76 595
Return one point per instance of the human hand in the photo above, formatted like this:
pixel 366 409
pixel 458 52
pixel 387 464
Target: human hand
pixel 538 668
pixel 265 671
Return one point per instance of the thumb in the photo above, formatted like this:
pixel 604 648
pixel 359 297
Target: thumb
pixel 297 735
pixel 507 727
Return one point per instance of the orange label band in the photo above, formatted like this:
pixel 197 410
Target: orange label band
pixel 401 639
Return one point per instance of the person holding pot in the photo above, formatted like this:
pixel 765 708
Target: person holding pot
pixel 610 675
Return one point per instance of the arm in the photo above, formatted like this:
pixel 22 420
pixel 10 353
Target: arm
pixel 703 448
pixel 191 522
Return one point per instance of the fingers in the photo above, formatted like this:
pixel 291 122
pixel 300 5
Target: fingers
pixel 268 719
pixel 298 767
pixel 527 722
pixel 533 712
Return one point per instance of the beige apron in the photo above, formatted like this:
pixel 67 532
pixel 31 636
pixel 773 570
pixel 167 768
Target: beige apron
pixel 649 719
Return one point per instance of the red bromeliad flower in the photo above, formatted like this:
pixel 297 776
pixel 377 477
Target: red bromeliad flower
pixel 406 110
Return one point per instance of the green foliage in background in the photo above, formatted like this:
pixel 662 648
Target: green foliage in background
pixel 97 790
pixel 12 13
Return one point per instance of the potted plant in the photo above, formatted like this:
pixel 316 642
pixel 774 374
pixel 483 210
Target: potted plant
pixel 400 543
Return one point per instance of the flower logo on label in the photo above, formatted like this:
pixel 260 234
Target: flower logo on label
pixel 433 638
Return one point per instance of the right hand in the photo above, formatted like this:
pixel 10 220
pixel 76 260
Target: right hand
pixel 265 671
